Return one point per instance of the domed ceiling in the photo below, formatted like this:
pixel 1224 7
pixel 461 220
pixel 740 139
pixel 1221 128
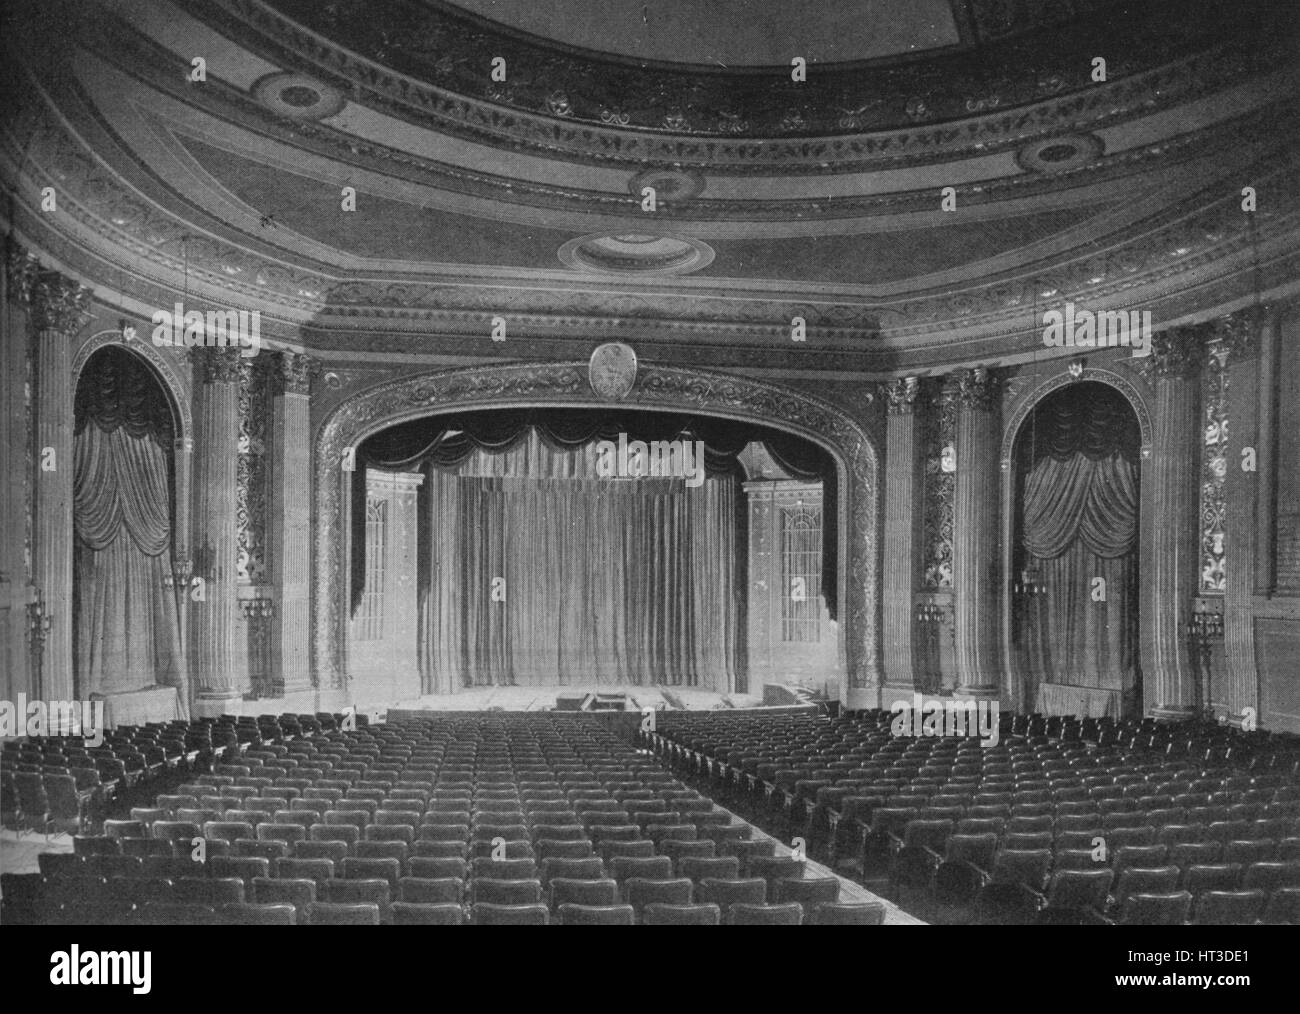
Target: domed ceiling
pixel 914 185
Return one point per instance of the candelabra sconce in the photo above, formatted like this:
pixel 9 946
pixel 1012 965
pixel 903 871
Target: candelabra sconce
pixel 1204 629
pixel 38 624
pixel 257 609
pixel 258 612
pixel 181 575
pixel 38 627
pixel 930 616
pixel 929 612
pixel 1029 583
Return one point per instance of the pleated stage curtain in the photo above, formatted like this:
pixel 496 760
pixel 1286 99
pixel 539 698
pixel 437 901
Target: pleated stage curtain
pixel 1080 523
pixel 630 581
pixel 126 628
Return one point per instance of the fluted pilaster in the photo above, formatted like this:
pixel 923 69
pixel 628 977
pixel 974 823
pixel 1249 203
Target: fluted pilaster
pixel 1169 680
pixel 975 536
pixel 902 523
pixel 289 523
pixel 220 666
pixel 59 308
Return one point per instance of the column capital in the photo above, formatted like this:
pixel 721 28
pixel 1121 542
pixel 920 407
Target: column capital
pixel 59 303
pixel 293 373
pixel 21 269
pixel 1236 335
pixel 218 364
pixel 900 394
pixel 977 388
pixel 1176 353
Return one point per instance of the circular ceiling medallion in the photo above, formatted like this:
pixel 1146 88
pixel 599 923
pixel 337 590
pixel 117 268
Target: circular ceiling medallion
pixel 298 96
pixel 636 253
pixel 612 370
pixel 1055 154
pixel 671 186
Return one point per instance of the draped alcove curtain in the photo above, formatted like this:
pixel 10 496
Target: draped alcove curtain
pixel 126 627
pixel 1079 511
pixel 635 581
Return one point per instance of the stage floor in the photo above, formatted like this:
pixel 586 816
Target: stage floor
pixel 543 698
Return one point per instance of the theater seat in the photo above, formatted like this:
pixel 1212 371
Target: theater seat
pixel 487 914
pixel 258 915
pixel 505 892
pixel 1229 908
pixel 405 913
pixel 742 914
pixel 330 914
pixel 1169 909
pixel 1283 908
pixel 660 914
pixel 596 915
pixel 847 914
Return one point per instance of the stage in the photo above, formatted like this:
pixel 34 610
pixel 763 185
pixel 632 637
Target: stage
pixel 543 698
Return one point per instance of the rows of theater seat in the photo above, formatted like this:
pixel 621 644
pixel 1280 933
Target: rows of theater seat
pixel 519 819
pixel 66 783
pixel 1084 825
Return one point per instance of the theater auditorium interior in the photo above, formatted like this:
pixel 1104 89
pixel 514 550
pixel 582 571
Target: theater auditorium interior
pixel 594 462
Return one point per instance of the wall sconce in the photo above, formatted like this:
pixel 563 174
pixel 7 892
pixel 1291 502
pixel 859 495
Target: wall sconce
pixel 1030 582
pixel 1205 627
pixel 929 612
pixel 127 329
pixel 181 575
pixel 257 609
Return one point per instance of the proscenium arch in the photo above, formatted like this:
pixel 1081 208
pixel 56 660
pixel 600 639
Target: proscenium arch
pixel 1012 682
pixel 661 388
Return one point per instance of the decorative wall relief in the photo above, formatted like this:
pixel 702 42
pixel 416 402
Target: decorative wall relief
pixel 252 492
pixel 1214 470
pixel 938 443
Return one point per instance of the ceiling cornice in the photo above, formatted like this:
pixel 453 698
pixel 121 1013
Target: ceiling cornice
pixel 844 116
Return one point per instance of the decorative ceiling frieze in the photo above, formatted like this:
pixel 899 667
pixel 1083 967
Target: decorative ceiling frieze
pixel 394 46
pixel 435 71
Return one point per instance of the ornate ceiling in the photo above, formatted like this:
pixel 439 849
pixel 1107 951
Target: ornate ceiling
pixel 525 198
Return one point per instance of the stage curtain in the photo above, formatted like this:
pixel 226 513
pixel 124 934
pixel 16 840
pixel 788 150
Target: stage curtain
pixel 126 627
pixel 1080 523
pixel 631 581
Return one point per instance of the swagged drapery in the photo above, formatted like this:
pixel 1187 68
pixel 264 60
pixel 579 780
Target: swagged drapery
pixel 1079 458
pixel 635 581
pixel 126 628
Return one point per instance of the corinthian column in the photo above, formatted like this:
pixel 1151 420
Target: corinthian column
pixel 902 521
pixel 975 536
pixel 289 523
pixel 59 308
pixel 1169 681
pixel 220 664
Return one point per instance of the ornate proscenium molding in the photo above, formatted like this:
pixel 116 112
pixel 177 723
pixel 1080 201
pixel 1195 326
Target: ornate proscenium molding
pixel 657 388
